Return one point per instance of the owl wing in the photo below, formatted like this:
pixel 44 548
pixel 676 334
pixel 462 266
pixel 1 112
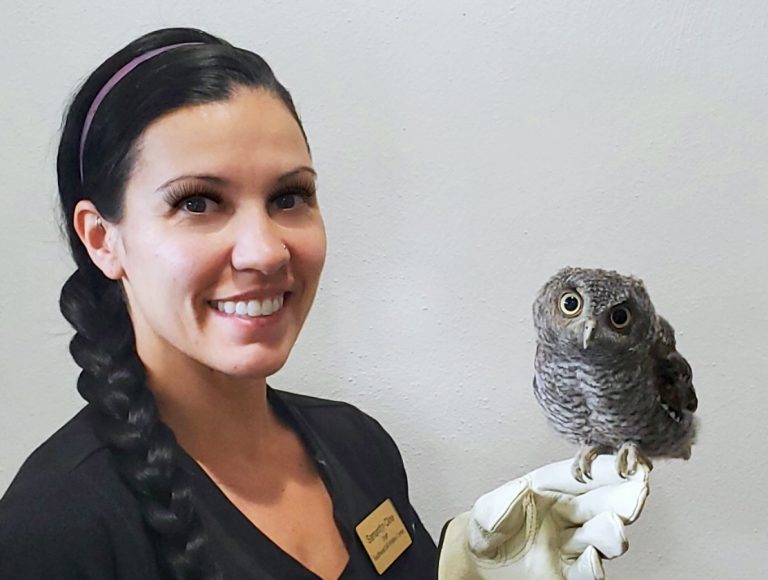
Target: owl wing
pixel 674 377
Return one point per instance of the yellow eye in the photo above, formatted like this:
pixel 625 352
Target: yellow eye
pixel 620 317
pixel 571 303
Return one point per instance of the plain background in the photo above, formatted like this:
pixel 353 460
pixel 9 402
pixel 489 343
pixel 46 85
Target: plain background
pixel 466 151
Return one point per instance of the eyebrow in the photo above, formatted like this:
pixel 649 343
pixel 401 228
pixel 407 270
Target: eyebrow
pixel 222 181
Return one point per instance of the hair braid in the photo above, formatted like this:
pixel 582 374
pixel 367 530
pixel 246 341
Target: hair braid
pixel 113 379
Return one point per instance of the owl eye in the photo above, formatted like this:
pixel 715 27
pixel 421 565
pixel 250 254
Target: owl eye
pixel 570 304
pixel 620 317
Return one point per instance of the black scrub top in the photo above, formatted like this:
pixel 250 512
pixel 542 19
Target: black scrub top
pixel 67 515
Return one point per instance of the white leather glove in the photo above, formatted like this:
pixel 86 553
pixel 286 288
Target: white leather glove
pixel 545 525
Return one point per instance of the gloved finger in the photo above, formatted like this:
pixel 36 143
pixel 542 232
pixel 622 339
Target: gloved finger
pixel 588 566
pixel 626 500
pixel 493 509
pixel 497 517
pixel 557 477
pixel 605 532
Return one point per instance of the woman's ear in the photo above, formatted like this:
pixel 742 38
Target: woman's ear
pixel 100 239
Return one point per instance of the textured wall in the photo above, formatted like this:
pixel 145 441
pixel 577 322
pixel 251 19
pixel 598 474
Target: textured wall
pixel 466 151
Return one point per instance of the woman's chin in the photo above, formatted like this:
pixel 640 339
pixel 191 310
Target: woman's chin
pixel 259 366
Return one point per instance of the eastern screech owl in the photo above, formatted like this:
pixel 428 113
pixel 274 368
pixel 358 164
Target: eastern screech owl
pixel 607 373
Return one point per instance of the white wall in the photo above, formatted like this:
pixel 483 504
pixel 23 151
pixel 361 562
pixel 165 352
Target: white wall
pixel 466 151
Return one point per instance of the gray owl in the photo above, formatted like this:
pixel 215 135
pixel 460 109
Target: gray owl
pixel 607 373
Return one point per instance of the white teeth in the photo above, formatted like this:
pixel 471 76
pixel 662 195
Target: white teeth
pixel 251 308
pixel 254 308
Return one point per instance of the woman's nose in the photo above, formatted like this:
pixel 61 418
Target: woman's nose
pixel 259 246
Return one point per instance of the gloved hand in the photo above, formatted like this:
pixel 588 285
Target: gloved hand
pixel 545 525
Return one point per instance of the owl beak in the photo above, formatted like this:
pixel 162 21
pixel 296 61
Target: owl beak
pixel 589 330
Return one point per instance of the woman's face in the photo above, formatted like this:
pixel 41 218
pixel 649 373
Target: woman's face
pixel 249 236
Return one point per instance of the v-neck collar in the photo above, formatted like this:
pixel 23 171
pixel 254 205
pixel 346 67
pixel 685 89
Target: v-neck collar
pixel 245 530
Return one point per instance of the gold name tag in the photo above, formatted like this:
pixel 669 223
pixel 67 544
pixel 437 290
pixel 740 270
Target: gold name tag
pixel 384 536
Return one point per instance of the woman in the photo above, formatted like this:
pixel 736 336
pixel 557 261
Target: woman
pixel 188 199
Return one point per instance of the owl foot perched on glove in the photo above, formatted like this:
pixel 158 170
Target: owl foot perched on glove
pixel 582 463
pixel 629 458
pixel 608 374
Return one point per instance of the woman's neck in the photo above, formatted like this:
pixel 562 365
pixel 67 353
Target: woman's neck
pixel 216 415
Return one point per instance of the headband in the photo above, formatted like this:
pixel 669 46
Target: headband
pixel 116 78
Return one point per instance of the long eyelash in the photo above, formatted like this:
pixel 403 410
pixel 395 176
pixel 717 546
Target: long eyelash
pixel 303 193
pixel 304 188
pixel 176 196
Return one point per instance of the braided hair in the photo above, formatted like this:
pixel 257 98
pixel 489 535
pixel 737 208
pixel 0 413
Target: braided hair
pixel 113 379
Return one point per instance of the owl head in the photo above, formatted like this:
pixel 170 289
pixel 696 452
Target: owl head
pixel 593 310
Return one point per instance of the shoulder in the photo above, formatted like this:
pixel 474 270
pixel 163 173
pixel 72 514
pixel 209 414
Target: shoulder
pixel 345 426
pixel 65 506
pixel 72 456
pixel 333 415
pixel 318 408
pixel 62 453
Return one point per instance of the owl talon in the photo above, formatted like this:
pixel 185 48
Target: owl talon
pixel 582 463
pixel 629 458
pixel 576 472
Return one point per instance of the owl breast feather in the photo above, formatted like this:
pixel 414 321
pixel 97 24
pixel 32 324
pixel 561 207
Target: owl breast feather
pixel 608 404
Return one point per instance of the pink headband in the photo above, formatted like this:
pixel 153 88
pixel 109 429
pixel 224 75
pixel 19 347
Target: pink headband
pixel 116 78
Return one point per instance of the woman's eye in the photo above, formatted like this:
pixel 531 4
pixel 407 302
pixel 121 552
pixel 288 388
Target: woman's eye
pixel 286 201
pixel 196 203
pixel 190 199
pixel 290 200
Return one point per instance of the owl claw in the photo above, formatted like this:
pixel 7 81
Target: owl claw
pixel 576 472
pixel 629 458
pixel 581 467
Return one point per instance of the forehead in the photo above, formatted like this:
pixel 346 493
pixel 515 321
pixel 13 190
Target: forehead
pixel 601 288
pixel 251 135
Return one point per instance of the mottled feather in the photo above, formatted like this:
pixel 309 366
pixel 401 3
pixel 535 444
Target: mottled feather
pixel 674 374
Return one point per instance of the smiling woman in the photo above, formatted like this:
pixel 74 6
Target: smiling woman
pixel 188 200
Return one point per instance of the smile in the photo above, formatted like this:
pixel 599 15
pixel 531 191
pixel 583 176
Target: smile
pixel 251 308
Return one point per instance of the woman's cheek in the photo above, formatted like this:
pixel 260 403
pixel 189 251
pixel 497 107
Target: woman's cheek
pixel 189 265
pixel 320 243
